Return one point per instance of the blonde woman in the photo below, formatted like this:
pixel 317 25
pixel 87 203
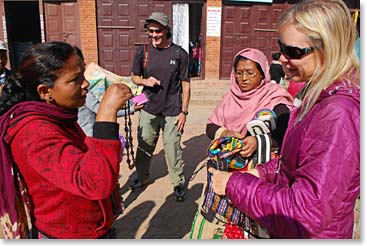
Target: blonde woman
pixel 310 191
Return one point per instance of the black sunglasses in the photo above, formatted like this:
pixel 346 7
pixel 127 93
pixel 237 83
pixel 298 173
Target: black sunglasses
pixel 158 31
pixel 292 52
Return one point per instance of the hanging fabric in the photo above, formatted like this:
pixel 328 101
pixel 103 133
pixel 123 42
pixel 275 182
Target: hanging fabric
pixel 180 32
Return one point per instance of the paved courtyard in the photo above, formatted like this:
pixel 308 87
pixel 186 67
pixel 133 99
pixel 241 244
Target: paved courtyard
pixel 153 213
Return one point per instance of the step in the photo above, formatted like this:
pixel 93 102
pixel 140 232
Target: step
pixel 208 92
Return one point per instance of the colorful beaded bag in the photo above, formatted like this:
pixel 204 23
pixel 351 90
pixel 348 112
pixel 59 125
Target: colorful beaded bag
pixel 223 155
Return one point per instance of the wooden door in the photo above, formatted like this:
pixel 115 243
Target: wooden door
pixel 62 22
pixel 250 26
pixel 121 30
pixel 116 27
pixel 236 24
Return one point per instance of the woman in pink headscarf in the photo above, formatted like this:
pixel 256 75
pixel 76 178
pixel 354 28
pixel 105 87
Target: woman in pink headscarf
pixel 250 91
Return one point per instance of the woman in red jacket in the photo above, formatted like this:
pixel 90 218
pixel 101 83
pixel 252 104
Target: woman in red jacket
pixel 50 171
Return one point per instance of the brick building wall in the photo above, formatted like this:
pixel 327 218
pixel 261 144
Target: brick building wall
pixel 88 30
pixel 212 49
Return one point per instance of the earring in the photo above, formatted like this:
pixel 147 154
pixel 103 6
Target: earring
pixel 49 99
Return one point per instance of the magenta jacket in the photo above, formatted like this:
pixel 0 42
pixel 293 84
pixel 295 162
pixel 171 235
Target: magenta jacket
pixel 313 195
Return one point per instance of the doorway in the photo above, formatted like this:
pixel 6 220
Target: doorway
pixel 21 32
pixel 187 33
pixel 196 40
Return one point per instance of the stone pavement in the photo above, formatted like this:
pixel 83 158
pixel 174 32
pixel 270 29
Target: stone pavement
pixel 153 213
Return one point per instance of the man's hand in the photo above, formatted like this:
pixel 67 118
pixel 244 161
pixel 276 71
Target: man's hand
pixel 180 122
pixel 151 82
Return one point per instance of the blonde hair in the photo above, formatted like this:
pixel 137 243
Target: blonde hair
pixel 330 28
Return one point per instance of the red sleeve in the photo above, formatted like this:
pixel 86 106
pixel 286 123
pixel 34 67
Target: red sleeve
pixel 87 167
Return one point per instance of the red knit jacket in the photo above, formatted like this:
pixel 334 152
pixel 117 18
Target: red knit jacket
pixel 69 176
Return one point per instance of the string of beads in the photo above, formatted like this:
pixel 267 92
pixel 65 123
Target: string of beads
pixel 129 146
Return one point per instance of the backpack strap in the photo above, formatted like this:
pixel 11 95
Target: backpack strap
pixel 177 56
pixel 178 61
pixel 145 60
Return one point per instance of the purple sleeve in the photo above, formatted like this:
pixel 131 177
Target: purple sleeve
pixel 267 170
pixel 305 201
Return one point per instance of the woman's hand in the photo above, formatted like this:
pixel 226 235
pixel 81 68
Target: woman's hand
pixel 113 100
pixel 137 108
pixel 220 180
pixel 229 133
pixel 253 172
pixel 250 146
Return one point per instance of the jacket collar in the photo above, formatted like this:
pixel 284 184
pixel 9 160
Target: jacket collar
pixel 341 87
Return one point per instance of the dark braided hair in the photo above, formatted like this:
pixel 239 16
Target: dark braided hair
pixel 40 64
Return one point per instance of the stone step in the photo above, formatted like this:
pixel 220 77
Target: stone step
pixel 210 92
pixel 213 93
pixel 204 101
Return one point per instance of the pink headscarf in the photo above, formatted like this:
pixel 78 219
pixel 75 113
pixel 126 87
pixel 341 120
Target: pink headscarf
pixel 236 108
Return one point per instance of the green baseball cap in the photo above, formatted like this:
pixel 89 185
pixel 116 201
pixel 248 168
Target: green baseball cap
pixel 158 17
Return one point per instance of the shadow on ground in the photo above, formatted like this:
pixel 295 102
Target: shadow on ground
pixel 173 219
pixel 194 152
pixel 130 223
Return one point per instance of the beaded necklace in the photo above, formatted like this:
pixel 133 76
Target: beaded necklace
pixel 129 138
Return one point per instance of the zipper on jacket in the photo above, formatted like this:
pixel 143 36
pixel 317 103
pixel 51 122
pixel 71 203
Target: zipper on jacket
pixel 278 168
